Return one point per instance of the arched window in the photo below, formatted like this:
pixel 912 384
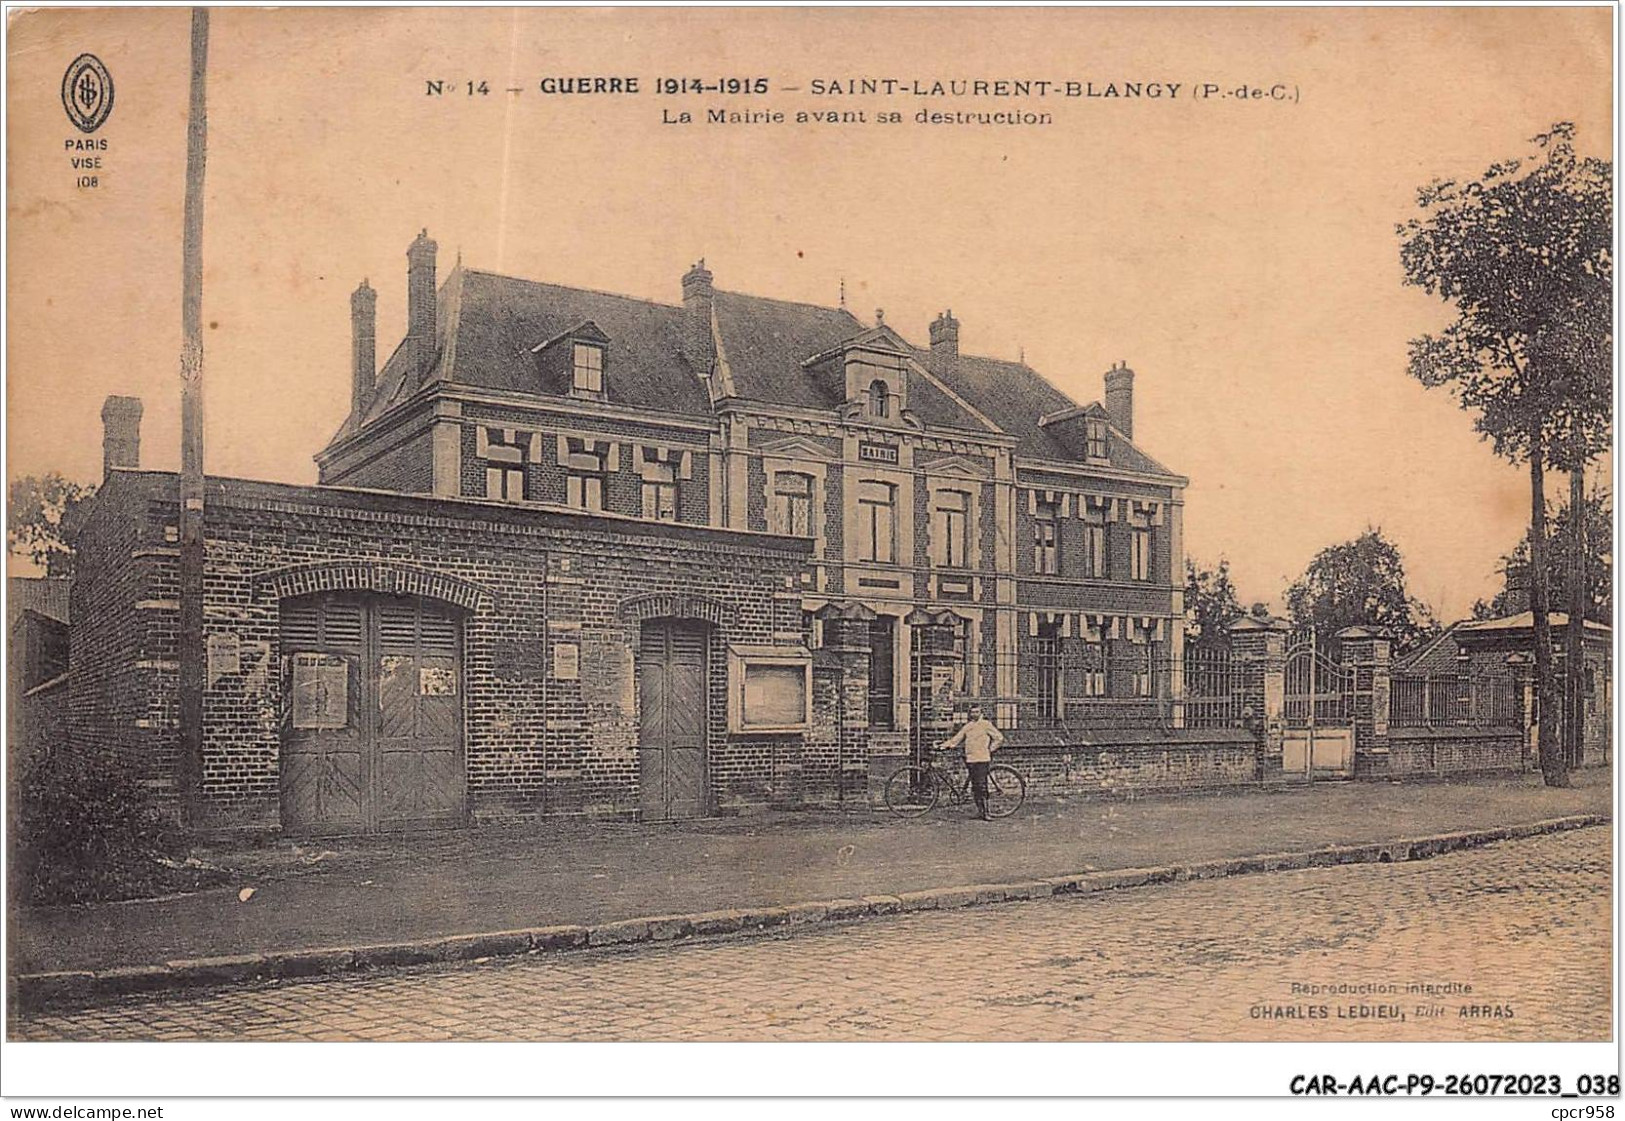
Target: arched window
pixel 879 399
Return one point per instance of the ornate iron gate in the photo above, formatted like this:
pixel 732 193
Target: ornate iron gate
pixel 1319 711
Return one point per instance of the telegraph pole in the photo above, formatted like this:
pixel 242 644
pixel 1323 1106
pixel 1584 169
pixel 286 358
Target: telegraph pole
pixel 192 669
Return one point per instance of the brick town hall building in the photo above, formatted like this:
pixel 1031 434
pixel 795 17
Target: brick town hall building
pixel 576 553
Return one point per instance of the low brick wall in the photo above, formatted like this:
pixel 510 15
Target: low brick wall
pixel 1130 762
pixel 1454 751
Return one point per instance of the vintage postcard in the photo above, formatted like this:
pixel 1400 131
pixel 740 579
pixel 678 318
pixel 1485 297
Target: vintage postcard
pixel 1067 525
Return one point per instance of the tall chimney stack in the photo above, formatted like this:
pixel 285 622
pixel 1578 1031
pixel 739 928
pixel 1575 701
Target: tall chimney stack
pixel 698 346
pixel 1517 588
pixel 420 297
pixel 121 434
pixel 944 341
pixel 1120 398
pixel 363 348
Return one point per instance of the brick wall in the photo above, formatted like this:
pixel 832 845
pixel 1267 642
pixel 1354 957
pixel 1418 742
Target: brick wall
pixel 528 579
pixel 1416 752
pixel 408 467
pixel 1189 762
pixel 120 653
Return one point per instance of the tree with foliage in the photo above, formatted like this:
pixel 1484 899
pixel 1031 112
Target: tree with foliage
pixel 35 508
pixel 1524 255
pixel 1598 586
pixel 1360 583
pixel 1210 601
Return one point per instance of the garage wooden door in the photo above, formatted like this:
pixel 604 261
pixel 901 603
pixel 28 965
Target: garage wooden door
pixel 671 712
pixel 372 732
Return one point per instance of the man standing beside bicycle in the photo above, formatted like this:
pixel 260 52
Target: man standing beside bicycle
pixel 981 738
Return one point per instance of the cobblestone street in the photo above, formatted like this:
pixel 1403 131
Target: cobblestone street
pixel 1525 924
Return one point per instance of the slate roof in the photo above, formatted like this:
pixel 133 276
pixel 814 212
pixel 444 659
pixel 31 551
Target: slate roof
pixel 1524 620
pixel 487 326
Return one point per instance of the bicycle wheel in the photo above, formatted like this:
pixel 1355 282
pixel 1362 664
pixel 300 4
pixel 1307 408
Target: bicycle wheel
pixel 911 791
pixel 1006 790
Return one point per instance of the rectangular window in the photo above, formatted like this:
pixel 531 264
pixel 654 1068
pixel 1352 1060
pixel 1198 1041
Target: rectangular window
pixel 1095 439
pixel 1140 554
pixel 1046 524
pixel 584 480
pixel 1142 670
pixel 951 517
pixel 1094 550
pixel 877 522
pixel 588 367
pixel 1092 661
pixel 505 454
pixel 660 492
pixel 506 483
pixel 792 499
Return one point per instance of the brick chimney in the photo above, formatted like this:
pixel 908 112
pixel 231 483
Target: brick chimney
pixel 1517 589
pixel 1120 398
pixel 944 341
pixel 121 433
pixel 420 297
pixel 698 345
pixel 363 348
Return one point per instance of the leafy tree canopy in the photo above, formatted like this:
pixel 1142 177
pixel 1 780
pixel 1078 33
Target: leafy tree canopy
pixel 1360 583
pixel 36 505
pixel 1211 604
pixel 1524 253
pixel 1599 532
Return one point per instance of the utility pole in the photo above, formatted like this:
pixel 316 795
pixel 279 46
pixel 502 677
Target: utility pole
pixel 192 669
pixel 1574 692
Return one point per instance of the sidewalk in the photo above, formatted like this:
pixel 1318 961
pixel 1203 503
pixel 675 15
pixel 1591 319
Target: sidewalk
pixel 391 890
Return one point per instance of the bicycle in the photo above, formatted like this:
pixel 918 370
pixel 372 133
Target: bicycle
pixel 913 789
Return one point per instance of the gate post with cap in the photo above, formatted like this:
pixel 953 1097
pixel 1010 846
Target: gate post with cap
pixel 1367 656
pixel 1258 663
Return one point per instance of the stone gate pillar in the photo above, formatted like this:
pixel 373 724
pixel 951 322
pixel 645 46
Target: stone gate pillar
pixel 843 660
pixel 1258 669
pixel 1367 655
pixel 932 690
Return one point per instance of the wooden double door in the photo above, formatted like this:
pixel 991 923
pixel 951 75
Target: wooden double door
pixel 672 689
pixel 372 724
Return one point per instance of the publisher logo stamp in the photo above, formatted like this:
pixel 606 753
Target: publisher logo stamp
pixel 87 93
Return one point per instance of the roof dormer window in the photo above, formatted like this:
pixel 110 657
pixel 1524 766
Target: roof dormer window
pixel 1094 433
pixel 587 370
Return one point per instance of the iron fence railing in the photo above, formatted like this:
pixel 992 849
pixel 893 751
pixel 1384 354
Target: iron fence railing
pixel 1445 700
pixel 1050 684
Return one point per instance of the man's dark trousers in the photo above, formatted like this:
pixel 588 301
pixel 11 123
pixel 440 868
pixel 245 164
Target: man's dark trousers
pixel 978 784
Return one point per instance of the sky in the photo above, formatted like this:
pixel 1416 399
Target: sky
pixel 1239 255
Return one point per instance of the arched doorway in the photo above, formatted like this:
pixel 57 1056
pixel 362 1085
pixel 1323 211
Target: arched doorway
pixel 372 734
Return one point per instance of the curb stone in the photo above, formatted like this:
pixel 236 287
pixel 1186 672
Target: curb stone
pixel 79 987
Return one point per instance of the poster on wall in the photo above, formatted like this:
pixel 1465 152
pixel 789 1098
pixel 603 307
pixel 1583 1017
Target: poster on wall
pixel 321 691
